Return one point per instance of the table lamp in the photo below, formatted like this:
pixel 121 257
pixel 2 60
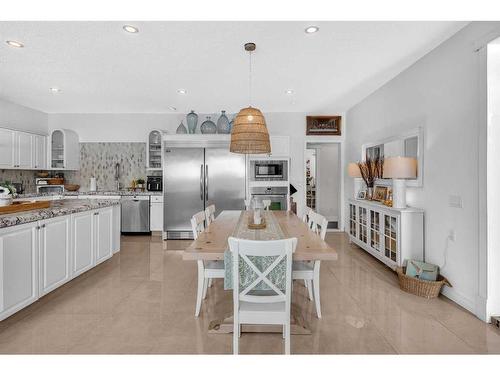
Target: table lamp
pixel 353 171
pixel 399 168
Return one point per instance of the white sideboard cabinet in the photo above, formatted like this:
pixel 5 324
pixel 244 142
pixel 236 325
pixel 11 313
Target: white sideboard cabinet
pixel 389 234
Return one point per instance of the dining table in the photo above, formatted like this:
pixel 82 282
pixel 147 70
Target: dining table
pixel 212 244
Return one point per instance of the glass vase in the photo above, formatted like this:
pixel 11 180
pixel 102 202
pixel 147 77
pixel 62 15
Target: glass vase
pixel 223 124
pixel 192 121
pixel 208 126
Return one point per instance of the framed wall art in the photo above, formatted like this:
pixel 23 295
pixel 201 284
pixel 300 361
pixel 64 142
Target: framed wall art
pixel 323 125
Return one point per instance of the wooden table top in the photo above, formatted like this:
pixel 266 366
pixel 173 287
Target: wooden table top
pixel 212 243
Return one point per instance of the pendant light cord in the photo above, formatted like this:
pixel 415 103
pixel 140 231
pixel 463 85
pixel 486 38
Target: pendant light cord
pixel 250 78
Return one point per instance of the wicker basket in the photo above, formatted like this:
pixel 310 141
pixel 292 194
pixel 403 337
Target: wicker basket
pixel 422 288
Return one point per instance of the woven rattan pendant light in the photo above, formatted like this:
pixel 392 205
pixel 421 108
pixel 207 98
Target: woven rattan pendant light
pixel 249 134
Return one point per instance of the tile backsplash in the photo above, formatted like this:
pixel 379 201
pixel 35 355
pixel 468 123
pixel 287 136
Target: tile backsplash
pixel 96 160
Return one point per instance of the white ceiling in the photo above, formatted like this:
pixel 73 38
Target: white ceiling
pixel 102 69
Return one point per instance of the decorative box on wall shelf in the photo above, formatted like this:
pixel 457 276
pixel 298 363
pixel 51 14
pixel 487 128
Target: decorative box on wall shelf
pixel 391 235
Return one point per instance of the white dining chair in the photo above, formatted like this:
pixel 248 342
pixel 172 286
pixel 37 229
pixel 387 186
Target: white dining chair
pixel 210 214
pixel 266 203
pixel 261 307
pixel 309 271
pixel 248 203
pixel 207 270
pixel 305 217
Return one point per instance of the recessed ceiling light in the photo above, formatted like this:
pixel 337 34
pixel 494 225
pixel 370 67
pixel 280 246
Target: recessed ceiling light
pixel 14 43
pixel 55 90
pixel 289 92
pixel 182 91
pixel 311 29
pixel 172 108
pixel 130 29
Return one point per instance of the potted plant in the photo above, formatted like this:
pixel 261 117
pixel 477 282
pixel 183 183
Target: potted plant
pixel 139 183
pixel 371 169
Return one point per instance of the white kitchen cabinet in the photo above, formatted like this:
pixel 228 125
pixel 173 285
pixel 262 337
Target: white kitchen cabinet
pixel 82 242
pixel 156 213
pixel 55 250
pixel 39 152
pixel 154 150
pixel 64 150
pixel 7 148
pixel 391 235
pixel 18 268
pixel 103 226
pixel 24 150
pixel 116 228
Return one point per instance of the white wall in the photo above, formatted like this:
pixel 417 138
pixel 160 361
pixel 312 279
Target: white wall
pixel 493 181
pixel 440 92
pixel 18 117
pixel 135 128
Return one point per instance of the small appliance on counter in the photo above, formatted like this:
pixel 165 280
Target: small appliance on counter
pixel 49 185
pixel 5 196
pixel 154 183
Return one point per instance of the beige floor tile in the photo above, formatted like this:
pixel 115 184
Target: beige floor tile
pixel 142 301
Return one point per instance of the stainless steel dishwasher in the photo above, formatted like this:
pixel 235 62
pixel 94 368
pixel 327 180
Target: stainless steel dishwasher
pixel 135 214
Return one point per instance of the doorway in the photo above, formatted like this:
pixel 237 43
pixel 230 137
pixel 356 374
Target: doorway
pixel 322 167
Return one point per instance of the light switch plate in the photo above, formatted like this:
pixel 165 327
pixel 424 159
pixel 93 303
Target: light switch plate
pixel 455 201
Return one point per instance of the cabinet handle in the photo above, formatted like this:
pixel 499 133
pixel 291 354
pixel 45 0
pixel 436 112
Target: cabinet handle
pixel 37 227
pixel 43 225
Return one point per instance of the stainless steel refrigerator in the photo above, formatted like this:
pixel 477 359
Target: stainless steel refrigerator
pixel 193 179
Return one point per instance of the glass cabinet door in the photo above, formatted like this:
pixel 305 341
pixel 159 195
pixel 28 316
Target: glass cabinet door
pixel 154 149
pixel 391 237
pixel 352 220
pixel 375 230
pixel 363 223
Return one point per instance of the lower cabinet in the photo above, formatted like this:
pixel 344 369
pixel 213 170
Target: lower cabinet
pixel 103 226
pixel 82 246
pixel 54 250
pixel 391 235
pixel 38 257
pixel 18 268
pixel 156 213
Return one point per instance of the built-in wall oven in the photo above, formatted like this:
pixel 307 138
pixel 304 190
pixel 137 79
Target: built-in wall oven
pixel 277 195
pixel 269 170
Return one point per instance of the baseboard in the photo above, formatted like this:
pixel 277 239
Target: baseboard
pixel 460 299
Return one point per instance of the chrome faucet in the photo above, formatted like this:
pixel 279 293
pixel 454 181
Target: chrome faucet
pixel 117 176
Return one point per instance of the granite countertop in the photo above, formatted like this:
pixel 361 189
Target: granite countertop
pixel 76 193
pixel 57 208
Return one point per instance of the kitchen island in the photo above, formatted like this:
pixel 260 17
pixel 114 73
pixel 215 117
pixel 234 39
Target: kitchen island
pixel 40 250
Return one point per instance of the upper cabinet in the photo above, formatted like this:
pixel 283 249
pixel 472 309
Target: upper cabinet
pixel 64 152
pixel 154 150
pixel 22 150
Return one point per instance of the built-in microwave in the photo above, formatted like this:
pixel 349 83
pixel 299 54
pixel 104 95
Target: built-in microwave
pixel 269 170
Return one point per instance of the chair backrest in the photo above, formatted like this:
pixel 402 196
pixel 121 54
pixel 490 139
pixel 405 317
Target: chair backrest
pixel 198 223
pixel 210 214
pixel 318 224
pixel 262 257
pixel 306 217
pixel 266 203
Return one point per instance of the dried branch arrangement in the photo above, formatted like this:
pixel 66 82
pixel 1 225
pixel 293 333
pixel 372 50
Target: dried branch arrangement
pixel 371 169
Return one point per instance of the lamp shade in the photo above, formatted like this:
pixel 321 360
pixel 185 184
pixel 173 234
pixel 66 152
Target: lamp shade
pixel 249 134
pixel 399 167
pixel 353 170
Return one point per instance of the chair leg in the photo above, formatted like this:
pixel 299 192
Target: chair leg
pixel 236 336
pixel 239 330
pixel 205 287
pixel 210 283
pixel 284 330
pixel 309 288
pixel 316 288
pixel 287 338
pixel 201 282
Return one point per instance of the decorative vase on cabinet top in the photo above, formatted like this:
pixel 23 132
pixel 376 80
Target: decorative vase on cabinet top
pixel 223 126
pixel 208 126
pixel 192 121
pixel 181 129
